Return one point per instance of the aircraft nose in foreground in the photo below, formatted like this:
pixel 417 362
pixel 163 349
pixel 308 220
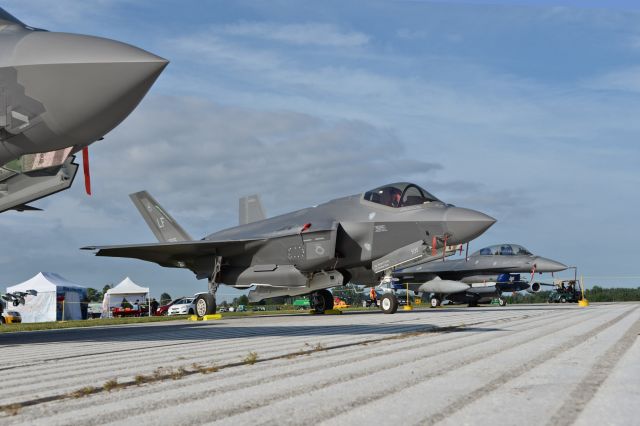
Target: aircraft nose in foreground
pixel 465 224
pixel 87 85
pixel 547 265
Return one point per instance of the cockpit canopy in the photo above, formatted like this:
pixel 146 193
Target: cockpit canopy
pixel 400 194
pixel 503 250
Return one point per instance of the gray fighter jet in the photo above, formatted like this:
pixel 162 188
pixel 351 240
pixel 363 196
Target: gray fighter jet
pixel 480 277
pixel 60 93
pixel 356 238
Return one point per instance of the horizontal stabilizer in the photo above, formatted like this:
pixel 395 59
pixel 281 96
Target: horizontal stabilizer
pixel 177 255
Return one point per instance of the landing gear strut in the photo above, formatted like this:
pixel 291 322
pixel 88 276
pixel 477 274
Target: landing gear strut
pixel 321 301
pixel 206 302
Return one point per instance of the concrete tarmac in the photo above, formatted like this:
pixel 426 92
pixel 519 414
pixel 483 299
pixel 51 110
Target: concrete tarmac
pixel 515 365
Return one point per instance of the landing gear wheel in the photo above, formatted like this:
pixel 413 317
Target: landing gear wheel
pixel 322 301
pixel 328 299
pixel 389 303
pixel 563 300
pixel 502 302
pixel 205 304
pixel 473 304
pixel 435 302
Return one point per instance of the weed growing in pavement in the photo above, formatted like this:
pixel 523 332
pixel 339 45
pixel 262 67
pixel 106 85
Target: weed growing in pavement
pixel 87 390
pixel 251 358
pixel 178 373
pixel 109 385
pixel 12 409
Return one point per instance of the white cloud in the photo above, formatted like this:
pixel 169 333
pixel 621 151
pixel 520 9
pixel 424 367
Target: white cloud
pixel 50 14
pixel 624 80
pixel 307 34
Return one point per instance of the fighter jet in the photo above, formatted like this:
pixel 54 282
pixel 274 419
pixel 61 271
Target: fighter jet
pixel 482 276
pixel 355 238
pixel 59 93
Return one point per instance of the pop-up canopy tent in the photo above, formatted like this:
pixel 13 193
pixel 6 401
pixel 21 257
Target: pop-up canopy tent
pixel 57 299
pixel 127 289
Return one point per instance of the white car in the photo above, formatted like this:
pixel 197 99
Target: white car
pixel 182 306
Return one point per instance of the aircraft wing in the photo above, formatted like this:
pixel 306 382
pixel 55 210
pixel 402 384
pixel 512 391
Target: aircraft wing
pixel 179 254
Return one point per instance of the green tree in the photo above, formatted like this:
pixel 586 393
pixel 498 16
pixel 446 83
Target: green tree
pixel 106 288
pixel 94 295
pixel 243 300
pixel 165 298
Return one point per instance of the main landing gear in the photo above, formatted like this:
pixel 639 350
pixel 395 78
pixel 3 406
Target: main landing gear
pixel 206 302
pixel 321 301
pixel 389 303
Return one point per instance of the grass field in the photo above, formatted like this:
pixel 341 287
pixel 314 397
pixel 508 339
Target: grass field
pixel 9 328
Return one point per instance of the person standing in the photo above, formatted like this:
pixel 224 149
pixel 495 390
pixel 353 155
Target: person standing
pixel 373 296
pixel 154 306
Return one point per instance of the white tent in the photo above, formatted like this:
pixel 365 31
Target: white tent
pixel 57 299
pixel 126 289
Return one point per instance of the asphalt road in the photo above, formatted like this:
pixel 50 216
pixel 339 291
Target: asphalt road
pixel 520 365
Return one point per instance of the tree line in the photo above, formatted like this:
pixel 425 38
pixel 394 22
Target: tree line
pixel 593 294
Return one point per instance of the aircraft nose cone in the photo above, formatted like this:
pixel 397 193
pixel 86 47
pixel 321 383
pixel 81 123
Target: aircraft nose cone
pixel 547 265
pixel 465 224
pixel 86 85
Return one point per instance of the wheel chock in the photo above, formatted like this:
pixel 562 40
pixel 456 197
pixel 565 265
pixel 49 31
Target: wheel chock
pixel 407 308
pixel 327 312
pixel 206 317
pixel 583 302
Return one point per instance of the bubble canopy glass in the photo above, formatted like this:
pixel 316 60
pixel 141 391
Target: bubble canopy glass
pixel 401 194
pixel 503 250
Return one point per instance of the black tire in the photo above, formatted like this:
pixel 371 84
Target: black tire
pixel 205 304
pixel 435 302
pixel 321 301
pixel 389 303
pixel 328 299
pixel 2 321
pixel 563 300
pixel 473 304
pixel 190 311
pixel 502 302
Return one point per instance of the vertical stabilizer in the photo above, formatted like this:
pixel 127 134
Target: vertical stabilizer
pixel 250 209
pixel 164 227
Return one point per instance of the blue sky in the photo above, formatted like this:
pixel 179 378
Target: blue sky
pixel 524 110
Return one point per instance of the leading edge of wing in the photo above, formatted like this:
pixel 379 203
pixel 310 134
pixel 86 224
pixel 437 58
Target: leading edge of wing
pixel 155 251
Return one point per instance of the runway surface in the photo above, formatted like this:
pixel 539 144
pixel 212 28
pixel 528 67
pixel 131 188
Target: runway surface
pixel 534 364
